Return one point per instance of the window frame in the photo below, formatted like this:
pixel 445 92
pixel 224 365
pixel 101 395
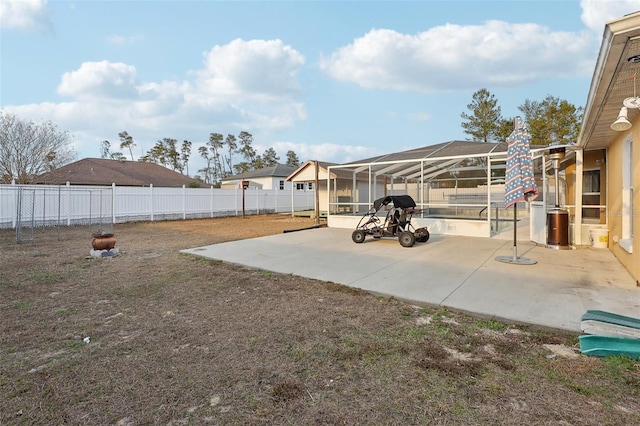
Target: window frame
pixel 626 240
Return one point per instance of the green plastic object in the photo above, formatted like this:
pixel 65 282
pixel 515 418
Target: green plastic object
pixel 611 318
pixel 603 346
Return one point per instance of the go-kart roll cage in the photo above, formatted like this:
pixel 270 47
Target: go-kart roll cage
pixel 397 222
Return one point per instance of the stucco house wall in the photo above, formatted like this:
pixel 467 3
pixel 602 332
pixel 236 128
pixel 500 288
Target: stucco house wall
pixel 615 158
pixel 611 123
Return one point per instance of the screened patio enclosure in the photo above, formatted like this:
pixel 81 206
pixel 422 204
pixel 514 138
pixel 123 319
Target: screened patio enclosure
pixel 458 187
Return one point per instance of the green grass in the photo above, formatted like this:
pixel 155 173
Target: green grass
pixel 489 324
pixel 22 304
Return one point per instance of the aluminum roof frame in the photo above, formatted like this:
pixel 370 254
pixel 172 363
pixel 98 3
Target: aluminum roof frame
pixel 426 167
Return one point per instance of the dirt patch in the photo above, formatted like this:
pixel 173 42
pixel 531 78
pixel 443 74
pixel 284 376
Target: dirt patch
pixel 153 336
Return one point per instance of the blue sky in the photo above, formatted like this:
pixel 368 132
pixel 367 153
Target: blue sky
pixel 331 80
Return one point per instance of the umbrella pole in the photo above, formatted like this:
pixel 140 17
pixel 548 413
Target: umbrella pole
pixel 515 260
pixel 515 232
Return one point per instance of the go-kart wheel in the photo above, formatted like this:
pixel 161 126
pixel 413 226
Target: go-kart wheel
pixel 407 239
pixel 358 236
pixel 424 238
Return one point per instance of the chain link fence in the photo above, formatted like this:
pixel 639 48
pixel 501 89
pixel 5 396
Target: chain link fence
pixel 46 210
pixel 38 212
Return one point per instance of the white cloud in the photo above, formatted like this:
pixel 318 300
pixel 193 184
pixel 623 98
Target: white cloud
pixel 28 15
pixel 595 13
pixel 257 69
pixel 455 57
pixel 323 152
pixel 95 80
pixel 248 86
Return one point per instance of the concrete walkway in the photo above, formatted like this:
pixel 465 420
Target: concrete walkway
pixel 461 273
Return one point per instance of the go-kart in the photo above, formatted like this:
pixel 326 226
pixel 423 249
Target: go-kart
pixel 397 222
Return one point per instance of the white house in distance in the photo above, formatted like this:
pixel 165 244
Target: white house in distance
pixel 274 177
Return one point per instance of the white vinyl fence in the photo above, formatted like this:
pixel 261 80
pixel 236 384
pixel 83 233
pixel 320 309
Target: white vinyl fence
pixel 59 205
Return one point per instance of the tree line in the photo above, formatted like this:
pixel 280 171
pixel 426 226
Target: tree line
pixel 218 152
pixel 550 121
pixel 29 148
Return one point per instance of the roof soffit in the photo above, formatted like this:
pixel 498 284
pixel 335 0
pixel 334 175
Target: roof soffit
pixel 612 82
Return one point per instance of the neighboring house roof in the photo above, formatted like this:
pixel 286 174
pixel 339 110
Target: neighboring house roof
pixel 306 172
pixel 614 79
pixel 301 175
pixel 99 171
pixel 279 170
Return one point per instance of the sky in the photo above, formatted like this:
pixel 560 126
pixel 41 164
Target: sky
pixel 333 81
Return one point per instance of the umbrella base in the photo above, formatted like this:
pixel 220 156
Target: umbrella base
pixel 516 260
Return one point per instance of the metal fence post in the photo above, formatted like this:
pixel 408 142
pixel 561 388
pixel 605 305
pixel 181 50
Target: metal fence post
pixel 68 202
pixel 14 220
pixel 113 203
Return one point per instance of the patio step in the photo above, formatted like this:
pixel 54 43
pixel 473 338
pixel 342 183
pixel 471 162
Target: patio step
pixel 610 324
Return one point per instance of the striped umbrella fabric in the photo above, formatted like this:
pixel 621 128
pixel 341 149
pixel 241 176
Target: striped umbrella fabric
pixel 520 184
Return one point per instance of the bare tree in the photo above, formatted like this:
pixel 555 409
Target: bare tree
pixel 105 152
pixel 29 148
pixel 105 149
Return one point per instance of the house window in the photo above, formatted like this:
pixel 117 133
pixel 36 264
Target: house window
pixel 310 186
pixel 626 242
pixel 281 185
pixel 300 186
pixel 591 194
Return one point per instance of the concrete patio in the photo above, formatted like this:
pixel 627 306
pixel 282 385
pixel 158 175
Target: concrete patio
pixel 461 273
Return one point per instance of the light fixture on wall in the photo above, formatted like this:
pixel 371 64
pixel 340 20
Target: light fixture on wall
pixel 622 122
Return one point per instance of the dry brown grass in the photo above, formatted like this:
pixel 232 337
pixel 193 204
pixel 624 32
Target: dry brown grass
pixel 176 339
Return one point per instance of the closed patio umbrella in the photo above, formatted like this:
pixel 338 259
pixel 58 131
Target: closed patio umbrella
pixel 519 182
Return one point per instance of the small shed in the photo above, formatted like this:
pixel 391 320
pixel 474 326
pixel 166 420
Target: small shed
pixel 339 199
